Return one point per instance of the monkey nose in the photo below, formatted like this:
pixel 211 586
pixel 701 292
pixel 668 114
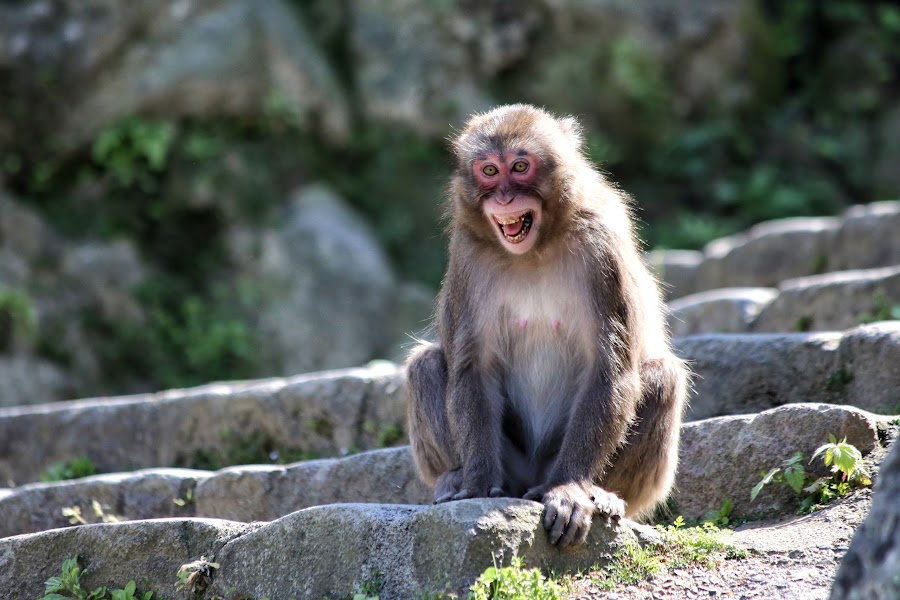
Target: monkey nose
pixel 505 197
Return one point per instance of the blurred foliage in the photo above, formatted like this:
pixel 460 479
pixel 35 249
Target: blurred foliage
pixel 811 135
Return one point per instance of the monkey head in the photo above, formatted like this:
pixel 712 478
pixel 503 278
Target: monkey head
pixel 510 186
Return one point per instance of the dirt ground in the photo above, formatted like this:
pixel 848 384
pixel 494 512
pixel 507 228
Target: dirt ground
pixel 792 558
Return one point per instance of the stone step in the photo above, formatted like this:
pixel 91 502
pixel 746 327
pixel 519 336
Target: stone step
pixel 748 373
pixel 828 302
pixel 327 551
pixel 720 458
pixel 330 414
pixel 320 414
pixel 865 236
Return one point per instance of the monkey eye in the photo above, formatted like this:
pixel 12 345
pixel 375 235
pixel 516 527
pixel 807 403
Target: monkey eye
pixel 520 166
pixel 489 170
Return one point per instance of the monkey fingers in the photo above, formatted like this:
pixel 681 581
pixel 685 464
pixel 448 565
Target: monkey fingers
pixel 607 503
pixel 479 492
pixel 567 512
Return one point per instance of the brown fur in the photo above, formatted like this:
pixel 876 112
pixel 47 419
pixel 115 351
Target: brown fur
pixel 552 377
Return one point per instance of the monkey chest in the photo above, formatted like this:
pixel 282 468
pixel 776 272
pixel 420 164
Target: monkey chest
pixel 541 345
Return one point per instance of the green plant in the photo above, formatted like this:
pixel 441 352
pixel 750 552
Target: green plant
pixel 838 380
pixel 682 547
pixel 196 576
pixel 17 318
pixel 68 587
pixel 74 468
pixel 100 514
pixel 515 582
pixel 882 309
pixel 132 147
pixel 371 589
pixel 845 462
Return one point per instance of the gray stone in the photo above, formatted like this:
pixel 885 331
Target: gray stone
pixel 328 551
pixel 331 551
pixel 148 552
pixel 198 59
pixel 831 301
pixel 726 310
pixel 748 373
pixel 869 237
pixel 264 493
pixel 871 367
pixel 676 270
pixel 327 287
pixel 147 494
pixel 758 257
pixel 722 458
pixel 317 414
pixel 871 568
pixel 426 64
pixel 25 379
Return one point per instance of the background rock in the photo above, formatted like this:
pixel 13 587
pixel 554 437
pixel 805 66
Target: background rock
pixel 727 310
pixel 323 551
pixel 831 301
pixel 722 458
pixel 210 426
pixel 869 569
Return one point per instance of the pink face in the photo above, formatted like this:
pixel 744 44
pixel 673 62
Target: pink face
pixel 514 211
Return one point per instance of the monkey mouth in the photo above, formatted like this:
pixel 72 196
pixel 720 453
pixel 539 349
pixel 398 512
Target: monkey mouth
pixel 515 227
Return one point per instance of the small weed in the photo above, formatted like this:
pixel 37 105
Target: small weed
pixel 386 434
pixel 682 547
pixel 75 468
pixel 132 147
pixel 371 589
pixel 847 471
pixel 882 310
pixel 17 318
pixel 68 587
pixel 186 501
pixel 515 582
pixel 254 448
pixel 803 323
pixel 838 380
pixel 195 577
pixel 100 514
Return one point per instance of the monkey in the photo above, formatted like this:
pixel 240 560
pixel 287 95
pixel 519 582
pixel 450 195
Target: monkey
pixel 552 376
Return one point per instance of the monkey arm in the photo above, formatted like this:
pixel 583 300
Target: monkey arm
pixel 475 419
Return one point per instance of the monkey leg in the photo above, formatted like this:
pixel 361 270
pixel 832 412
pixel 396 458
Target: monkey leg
pixel 643 469
pixel 429 430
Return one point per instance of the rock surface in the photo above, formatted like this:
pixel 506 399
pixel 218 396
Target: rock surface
pixel 831 301
pixel 327 287
pixel 324 414
pixel 727 310
pixel 722 458
pixel 328 551
pixel 864 237
pixel 871 568
pixel 213 57
pixel 748 373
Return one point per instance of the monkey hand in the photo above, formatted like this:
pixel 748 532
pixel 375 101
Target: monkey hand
pixel 568 509
pixel 607 503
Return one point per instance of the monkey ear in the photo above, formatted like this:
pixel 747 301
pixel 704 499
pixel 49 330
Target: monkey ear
pixel 572 130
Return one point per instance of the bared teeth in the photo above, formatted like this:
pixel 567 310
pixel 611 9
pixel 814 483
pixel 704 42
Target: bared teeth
pixel 509 220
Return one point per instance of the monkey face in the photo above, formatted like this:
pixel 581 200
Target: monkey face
pixel 509 201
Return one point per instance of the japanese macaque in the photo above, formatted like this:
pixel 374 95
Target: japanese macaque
pixel 552 377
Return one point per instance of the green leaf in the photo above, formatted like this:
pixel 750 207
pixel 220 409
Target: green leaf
pixel 767 478
pixel 795 477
